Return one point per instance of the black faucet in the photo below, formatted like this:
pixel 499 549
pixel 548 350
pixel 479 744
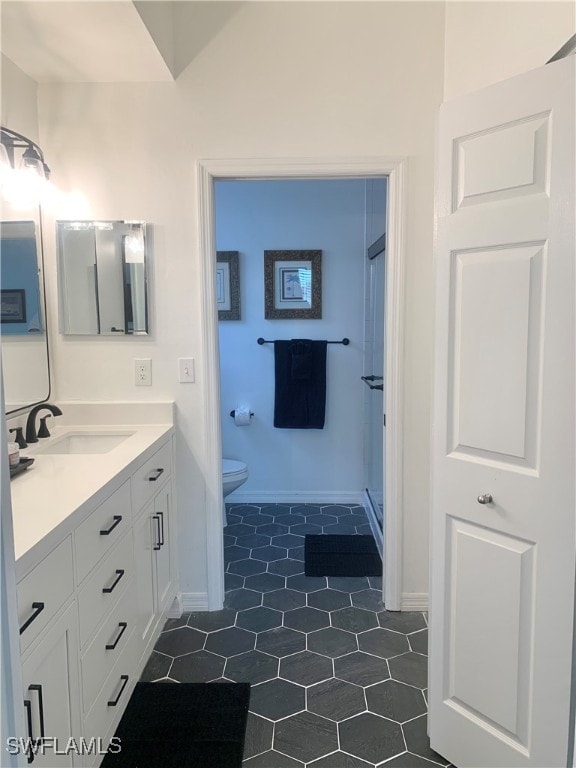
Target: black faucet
pixel 31 436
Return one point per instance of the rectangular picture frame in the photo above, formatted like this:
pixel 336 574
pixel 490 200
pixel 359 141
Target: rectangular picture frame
pixel 228 285
pixel 293 285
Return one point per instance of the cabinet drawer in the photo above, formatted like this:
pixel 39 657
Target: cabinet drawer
pixel 110 641
pixel 102 590
pixel 99 532
pixel 104 714
pixel 151 475
pixel 43 591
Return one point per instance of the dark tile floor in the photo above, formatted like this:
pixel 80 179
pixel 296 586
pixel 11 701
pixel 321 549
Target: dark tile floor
pixel 337 681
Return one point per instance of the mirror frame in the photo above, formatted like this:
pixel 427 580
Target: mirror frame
pixel 63 329
pixel 44 308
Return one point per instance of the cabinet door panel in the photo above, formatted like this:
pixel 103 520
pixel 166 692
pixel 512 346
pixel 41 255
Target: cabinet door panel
pixel 50 678
pixel 144 566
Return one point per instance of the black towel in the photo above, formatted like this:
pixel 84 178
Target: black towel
pixel 300 390
pixel 301 366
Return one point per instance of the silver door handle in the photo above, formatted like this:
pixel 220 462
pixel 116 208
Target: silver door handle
pixel 485 498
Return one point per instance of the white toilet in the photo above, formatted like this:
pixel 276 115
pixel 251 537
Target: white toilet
pixel 234 474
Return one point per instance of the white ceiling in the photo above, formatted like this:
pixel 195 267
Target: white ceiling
pixel 108 41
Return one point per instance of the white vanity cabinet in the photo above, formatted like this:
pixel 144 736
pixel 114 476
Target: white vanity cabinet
pixel 91 610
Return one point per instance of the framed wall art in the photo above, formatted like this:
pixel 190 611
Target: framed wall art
pixel 293 285
pixel 228 285
pixel 13 305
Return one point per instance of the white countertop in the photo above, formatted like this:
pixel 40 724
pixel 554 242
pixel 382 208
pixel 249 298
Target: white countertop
pixel 56 492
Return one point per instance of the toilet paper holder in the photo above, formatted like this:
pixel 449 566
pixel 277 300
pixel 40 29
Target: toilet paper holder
pixel 233 413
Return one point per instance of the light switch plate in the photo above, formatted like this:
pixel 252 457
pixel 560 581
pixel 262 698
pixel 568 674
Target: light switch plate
pixel 186 370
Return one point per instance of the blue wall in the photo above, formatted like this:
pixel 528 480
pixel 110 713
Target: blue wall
pixel 19 270
pixel 254 216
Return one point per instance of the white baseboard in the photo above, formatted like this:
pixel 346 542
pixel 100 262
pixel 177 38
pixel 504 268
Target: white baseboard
pixel 305 497
pixel 414 601
pixel 193 601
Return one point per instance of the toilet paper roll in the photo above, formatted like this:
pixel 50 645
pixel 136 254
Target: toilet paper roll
pixel 242 417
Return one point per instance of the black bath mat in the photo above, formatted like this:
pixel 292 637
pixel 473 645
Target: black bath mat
pixel 183 725
pixel 341 555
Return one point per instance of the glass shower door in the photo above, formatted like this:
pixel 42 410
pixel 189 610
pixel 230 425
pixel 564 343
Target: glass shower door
pixel 375 356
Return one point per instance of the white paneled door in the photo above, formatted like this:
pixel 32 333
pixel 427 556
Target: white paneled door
pixel 503 528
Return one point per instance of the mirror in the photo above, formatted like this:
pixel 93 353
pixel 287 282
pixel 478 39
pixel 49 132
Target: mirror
pixel 22 314
pixel 102 278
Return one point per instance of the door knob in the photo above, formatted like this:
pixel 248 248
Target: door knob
pixel 485 498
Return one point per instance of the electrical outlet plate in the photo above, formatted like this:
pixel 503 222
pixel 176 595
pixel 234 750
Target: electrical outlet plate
pixel 143 372
pixel 186 370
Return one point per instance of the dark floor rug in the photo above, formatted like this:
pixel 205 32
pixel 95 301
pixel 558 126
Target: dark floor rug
pixel 183 725
pixel 341 555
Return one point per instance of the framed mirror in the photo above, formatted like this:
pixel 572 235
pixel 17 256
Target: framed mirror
pixel 102 279
pixel 25 358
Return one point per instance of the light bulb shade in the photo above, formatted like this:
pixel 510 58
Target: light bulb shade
pixel 31 161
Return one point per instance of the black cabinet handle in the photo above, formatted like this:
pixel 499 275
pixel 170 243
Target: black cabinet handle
pixel 38 608
pixel 107 590
pixel 38 689
pixel 28 708
pixel 120 692
pixel 111 646
pixel 153 478
pixel 117 520
pixel 157 543
pixel 161 516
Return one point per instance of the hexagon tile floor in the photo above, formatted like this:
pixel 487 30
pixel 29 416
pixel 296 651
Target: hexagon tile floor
pixel 337 681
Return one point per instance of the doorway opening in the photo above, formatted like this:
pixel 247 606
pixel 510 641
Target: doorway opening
pixel 266 225
pixel 211 172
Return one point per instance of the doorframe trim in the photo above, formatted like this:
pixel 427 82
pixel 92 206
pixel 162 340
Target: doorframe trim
pixel 394 168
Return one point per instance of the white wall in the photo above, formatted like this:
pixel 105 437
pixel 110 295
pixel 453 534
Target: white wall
pixel 280 80
pixel 261 88
pixel 21 113
pixel 491 41
pixel 252 217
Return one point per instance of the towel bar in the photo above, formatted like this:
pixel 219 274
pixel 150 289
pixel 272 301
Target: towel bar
pixel 344 341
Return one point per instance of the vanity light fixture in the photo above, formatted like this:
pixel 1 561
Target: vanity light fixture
pixel 31 159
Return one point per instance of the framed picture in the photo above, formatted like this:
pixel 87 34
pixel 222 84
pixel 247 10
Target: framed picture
pixel 13 307
pixel 228 285
pixel 293 285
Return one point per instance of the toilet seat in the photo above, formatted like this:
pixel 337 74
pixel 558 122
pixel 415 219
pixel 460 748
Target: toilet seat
pixel 232 468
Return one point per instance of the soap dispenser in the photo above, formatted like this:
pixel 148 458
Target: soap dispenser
pixel 19 437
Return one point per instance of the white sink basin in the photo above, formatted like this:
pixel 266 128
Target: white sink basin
pixel 85 442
